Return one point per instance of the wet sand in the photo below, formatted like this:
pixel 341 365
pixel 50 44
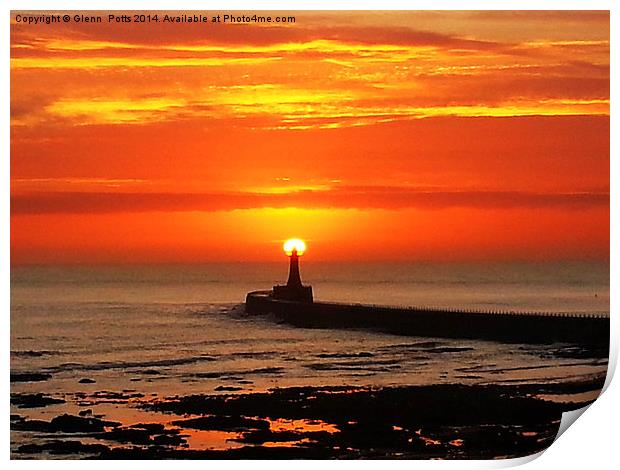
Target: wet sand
pixel 416 422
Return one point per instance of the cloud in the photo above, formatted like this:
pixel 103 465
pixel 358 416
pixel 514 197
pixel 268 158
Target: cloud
pixel 353 197
pixel 544 16
pixel 302 76
pixel 72 36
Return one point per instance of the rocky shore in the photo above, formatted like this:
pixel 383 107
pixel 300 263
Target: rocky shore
pixel 418 422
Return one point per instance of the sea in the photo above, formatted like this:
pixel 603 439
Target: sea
pixel 176 330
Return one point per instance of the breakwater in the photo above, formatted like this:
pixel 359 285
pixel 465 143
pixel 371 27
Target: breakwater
pixel 519 327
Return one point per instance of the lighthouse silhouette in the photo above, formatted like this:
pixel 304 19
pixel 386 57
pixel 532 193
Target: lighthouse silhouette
pixel 294 290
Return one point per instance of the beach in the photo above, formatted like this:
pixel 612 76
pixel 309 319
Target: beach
pixel 163 362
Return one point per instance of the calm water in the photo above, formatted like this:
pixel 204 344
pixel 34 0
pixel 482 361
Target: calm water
pixel 170 330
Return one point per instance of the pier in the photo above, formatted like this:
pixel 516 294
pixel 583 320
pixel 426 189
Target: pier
pixel 293 303
pixel 517 327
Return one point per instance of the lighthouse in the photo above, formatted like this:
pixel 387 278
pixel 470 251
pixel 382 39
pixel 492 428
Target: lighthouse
pixel 294 279
pixel 294 290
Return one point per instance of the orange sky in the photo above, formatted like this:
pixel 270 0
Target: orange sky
pixel 372 135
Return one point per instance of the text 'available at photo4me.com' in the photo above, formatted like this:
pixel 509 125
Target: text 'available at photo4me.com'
pixel 155 18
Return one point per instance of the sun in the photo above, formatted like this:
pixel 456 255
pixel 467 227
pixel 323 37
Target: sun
pixel 294 244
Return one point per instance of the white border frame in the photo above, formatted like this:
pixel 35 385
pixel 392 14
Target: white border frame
pixel 592 442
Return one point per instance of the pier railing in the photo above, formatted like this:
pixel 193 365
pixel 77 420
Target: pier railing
pixel 480 311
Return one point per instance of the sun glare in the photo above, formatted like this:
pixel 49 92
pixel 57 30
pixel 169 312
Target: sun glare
pixel 294 244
